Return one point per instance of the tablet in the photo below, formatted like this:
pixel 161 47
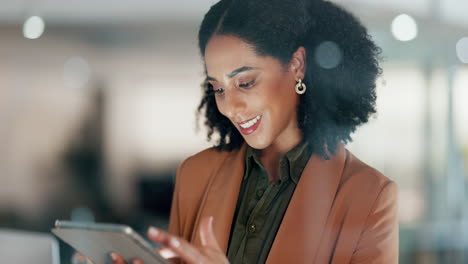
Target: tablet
pixel 96 241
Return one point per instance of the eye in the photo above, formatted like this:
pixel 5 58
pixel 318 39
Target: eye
pixel 214 88
pixel 246 84
pixel 219 90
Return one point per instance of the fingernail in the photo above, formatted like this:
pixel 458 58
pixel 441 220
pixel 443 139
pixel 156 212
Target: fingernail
pixel 137 261
pixel 153 231
pixel 113 256
pixel 175 243
pixel 109 259
pixel 210 222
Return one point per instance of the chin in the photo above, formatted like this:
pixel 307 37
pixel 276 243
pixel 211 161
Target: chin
pixel 256 143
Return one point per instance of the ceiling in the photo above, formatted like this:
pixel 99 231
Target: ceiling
pixel 141 11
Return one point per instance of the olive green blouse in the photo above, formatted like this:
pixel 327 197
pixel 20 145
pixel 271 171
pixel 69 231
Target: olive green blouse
pixel 262 204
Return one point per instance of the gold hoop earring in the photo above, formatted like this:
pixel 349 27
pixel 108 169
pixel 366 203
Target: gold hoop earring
pixel 300 87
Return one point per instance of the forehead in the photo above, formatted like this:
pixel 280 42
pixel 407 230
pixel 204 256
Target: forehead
pixel 224 54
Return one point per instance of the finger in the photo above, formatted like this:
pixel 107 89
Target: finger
pixel 156 236
pixel 78 258
pixel 159 236
pixel 137 261
pixel 207 235
pixel 185 250
pixel 179 246
pixel 117 259
pixel 167 253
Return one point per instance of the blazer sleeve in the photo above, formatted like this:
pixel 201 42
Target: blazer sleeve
pixel 379 240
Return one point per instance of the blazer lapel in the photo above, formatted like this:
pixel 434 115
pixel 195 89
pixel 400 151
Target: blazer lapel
pixel 299 235
pixel 221 197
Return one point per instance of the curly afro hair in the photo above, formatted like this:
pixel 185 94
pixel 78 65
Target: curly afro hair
pixel 339 98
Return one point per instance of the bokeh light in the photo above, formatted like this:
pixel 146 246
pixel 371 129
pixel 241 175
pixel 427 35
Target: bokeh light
pixel 33 27
pixel 404 28
pixel 462 49
pixel 82 214
pixel 328 55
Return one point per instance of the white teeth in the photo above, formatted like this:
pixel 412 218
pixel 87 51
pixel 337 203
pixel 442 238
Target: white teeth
pixel 250 123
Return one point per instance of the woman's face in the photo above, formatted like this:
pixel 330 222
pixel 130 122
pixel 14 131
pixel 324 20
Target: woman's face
pixel 255 92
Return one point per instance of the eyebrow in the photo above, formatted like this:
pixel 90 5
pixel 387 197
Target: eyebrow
pixel 234 72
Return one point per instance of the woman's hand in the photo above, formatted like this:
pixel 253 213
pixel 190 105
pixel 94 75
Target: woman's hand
pixel 209 252
pixel 77 258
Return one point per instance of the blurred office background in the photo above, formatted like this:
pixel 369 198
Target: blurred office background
pixel 98 100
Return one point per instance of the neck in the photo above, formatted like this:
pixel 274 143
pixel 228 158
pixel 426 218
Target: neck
pixel 270 156
pixel 281 145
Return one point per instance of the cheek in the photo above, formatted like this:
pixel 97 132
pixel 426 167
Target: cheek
pixel 282 103
pixel 220 106
pixel 281 96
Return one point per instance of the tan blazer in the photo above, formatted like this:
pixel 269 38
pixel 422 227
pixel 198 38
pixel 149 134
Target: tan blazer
pixel 342 210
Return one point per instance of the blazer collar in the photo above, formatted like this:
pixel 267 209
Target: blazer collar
pixel 304 220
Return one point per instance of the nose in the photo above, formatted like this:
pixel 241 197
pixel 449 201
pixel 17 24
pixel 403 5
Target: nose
pixel 234 104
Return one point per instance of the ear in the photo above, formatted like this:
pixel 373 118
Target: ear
pixel 297 64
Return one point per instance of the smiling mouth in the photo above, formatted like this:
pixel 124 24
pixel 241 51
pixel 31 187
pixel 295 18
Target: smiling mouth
pixel 249 123
pixel 249 126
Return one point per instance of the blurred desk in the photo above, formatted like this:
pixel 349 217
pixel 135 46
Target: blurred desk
pixel 27 247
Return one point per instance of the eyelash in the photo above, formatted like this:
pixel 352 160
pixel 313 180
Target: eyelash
pixel 219 90
pixel 212 91
pixel 246 85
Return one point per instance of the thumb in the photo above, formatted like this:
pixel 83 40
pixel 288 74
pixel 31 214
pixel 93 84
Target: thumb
pixel 207 235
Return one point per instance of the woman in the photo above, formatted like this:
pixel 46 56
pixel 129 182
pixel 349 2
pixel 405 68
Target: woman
pixel 287 82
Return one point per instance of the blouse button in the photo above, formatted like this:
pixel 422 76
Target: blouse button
pixel 259 194
pixel 252 228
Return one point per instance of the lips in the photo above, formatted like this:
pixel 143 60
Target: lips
pixel 249 126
